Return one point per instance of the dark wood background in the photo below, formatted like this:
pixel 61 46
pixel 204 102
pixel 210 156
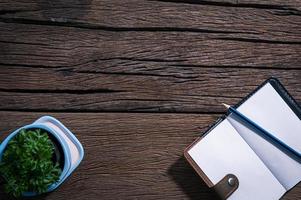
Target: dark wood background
pixel 137 81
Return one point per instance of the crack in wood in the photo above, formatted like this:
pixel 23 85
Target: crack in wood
pixel 106 111
pixel 143 29
pixel 29 66
pixel 259 40
pixel 235 67
pixel 131 74
pixel 237 4
pixel 26 43
pixel 144 59
pixel 84 25
pixel 132 59
pixel 69 67
pixel 59 91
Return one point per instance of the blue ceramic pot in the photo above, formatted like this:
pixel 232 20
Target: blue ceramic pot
pixel 72 148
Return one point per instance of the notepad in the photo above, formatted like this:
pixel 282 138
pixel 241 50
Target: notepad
pixel 263 169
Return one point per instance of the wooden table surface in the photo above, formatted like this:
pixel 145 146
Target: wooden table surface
pixel 137 81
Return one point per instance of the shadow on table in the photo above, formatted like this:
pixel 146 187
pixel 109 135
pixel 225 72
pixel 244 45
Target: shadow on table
pixel 193 186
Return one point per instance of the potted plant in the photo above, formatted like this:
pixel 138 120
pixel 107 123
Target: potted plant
pixel 38 157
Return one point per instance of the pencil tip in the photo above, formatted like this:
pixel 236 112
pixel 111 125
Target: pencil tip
pixel 226 105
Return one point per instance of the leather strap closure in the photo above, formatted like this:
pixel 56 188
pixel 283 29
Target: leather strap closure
pixel 225 187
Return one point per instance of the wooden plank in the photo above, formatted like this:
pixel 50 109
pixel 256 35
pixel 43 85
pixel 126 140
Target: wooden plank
pixel 67 46
pixel 129 156
pixel 273 21
pixel 175 89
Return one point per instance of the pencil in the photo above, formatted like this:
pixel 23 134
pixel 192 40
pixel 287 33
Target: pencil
pixel 251 123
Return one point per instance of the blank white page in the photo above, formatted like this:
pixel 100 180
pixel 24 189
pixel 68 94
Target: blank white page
pixel 223 151
pixel 269 110
pixel 285 169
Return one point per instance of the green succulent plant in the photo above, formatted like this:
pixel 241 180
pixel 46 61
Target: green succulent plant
pixel 27 163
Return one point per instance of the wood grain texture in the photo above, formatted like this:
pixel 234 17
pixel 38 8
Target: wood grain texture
pixel 137 81
pixel 135 89
pixel 127 156
pixel 278 22
pixel 68 46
